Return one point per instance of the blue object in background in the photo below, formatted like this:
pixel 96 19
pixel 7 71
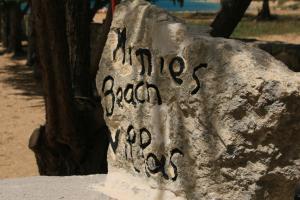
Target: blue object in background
pixel 23 6
pixel 92 3
pixel 188 5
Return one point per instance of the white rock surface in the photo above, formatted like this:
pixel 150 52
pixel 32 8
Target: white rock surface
pixel 206 118
pixel 117 185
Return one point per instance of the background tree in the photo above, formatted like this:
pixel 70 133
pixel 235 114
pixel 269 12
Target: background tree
pixel 31 52
pixel 11 18
pixel 265 13
pixel 1 13
pixel 228 17
pixel 4 14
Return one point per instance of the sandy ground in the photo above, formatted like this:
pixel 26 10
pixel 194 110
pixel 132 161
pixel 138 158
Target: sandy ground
pixel 100 16
pixel 21 111
pixel 286 38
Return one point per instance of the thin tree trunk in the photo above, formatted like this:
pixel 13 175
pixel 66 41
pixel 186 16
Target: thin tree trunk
pixel 31 41
pixel 15 36
pixel 74 139
pixel 265 13
pixel 229 16
pixel 5 25
pixel 32 58
pixel 1 14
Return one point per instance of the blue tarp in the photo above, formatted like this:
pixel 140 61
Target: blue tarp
pixel 188 5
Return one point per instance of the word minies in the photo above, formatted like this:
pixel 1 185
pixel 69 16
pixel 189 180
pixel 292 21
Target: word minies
pixel 131 94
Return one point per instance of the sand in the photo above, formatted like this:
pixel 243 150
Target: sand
pixel 21 111
pixel 286 38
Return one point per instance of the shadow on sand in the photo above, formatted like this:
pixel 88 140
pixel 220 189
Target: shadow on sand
pixel 21 78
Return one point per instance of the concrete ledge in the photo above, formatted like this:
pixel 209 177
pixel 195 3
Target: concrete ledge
pixel 116 185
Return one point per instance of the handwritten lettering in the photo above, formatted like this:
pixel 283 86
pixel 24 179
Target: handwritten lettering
pixel 153 163
pixel 146 92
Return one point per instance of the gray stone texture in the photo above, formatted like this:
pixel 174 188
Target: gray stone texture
pixel 205 118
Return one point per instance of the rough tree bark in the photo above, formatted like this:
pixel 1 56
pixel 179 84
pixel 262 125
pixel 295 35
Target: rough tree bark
pixel 78 18
pixel 229 16
pixel 74 138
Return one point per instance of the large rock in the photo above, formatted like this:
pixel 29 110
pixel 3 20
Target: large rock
pixel 206 118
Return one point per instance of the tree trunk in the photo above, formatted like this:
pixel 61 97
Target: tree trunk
pixel 265 13
pixel 5 25
pixel 1 13
pixel 74 138
pixel 31 41
pixel 228 18
pixel 15 36
pixel 32 58
pixel 78 30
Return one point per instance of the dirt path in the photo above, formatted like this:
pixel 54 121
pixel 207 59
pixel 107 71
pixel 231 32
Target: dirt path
pixel 21 111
